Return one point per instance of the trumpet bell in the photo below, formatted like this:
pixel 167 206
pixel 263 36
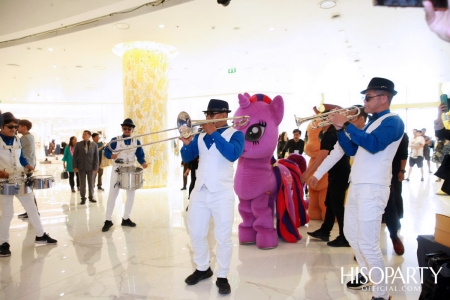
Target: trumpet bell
pixel 184 124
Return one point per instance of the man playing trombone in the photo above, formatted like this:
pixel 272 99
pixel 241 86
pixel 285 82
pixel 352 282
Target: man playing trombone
pixel 129 151
pixel 213 194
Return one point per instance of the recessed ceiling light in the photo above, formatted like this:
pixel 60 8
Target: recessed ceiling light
pixel 54 67
pixel 271 29
pixel 327 4
pixel 122 26
pixel 56 78
pixel 50 49
pixel 161 26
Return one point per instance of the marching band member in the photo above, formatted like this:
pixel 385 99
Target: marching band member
pixel 129 157
pixel 374 148
pixel 12 162
pixel 213 194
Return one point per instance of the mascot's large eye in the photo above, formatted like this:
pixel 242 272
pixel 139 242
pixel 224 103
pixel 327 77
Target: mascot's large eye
pixel 255 132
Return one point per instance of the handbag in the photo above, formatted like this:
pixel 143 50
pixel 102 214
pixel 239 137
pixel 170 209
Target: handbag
pixel 64 175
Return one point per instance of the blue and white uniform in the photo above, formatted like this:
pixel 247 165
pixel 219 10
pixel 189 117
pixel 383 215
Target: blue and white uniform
pixel 373 148
pixel 129 156
pixel 12 161
pixel 213 194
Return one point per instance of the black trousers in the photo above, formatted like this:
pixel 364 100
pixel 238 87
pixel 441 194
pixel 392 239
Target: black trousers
pixel 390 215
pixel 72 181
pixel 398 187
pixel 193 178
pixel 446 184
pixel 394 208
pixel 335 204
pixel 185 167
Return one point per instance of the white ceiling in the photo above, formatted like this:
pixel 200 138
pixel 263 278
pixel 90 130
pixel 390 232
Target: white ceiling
pixel 306 50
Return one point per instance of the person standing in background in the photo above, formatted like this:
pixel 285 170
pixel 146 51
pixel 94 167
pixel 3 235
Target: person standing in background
pixel 426 148
pixel 67 163
pixel 416 157
pixel 282 140
pixel 27 141
pixel 296 145
pixel 85 162
pixel 96 138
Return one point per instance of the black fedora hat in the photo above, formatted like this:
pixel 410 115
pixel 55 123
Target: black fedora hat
pixel 128 122
pixel 218 106
pixel 8 117
pixel 381 84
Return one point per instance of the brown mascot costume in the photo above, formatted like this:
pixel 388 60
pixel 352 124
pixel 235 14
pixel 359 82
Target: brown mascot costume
pixel 317 208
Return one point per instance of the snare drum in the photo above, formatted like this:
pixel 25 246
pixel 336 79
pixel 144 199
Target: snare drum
pixel 15 186
pixel 41 182
pixel 130 178
pixel 7 188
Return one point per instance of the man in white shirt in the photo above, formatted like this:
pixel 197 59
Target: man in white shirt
pixel 416 156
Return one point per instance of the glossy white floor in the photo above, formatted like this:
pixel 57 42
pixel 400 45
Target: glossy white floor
pixel 152 260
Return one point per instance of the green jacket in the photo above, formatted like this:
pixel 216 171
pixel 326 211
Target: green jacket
pixel 67 158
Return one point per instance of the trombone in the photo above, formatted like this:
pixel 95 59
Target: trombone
pixel 185 128
pixel 323 119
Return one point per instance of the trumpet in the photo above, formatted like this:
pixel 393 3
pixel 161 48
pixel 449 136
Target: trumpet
pixel 323 119
pixel 185 127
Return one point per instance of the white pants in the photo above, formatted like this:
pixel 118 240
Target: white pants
pixel 6 202
pixel 362 224
pixel 113 192
pixel 220 205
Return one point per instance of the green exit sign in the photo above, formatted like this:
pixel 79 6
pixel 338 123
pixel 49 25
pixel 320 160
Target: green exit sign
pixel 233 70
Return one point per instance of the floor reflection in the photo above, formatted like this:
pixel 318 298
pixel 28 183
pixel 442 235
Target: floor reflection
pixel 152 260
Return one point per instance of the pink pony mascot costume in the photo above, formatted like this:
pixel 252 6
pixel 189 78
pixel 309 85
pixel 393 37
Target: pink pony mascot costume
pixel 261 183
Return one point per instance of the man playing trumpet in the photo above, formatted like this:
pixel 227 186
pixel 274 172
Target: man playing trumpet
pixel 374 148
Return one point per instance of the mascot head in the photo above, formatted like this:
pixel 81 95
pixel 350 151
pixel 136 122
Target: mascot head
pixel 261 133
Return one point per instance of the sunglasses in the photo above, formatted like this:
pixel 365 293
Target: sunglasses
pixel 127 128
pixel 211 113
pixel 12 126
pixel 367 98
